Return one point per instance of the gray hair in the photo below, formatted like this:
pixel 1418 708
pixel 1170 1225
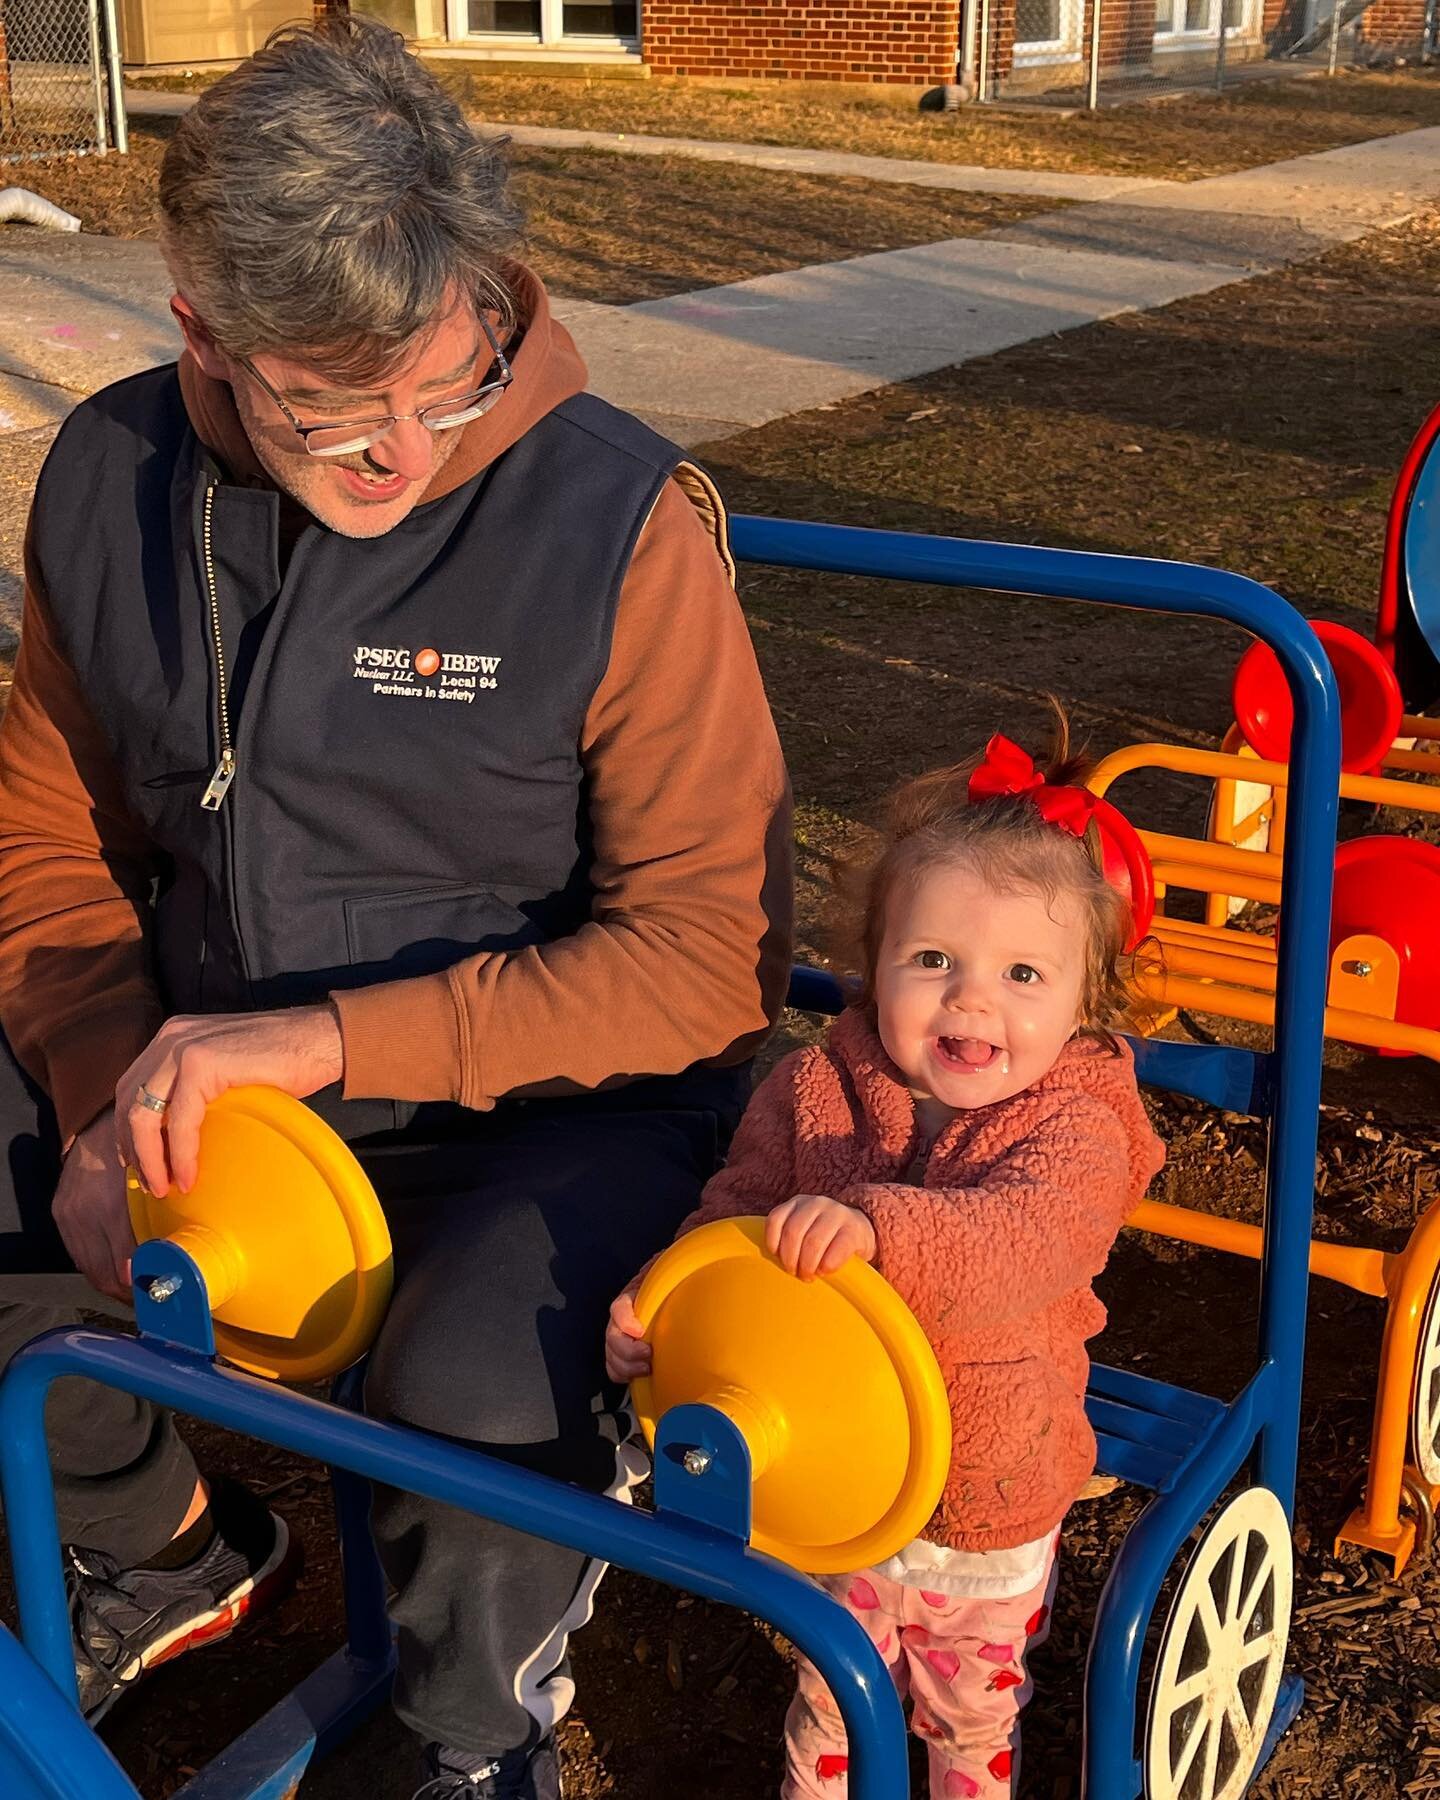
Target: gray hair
pixel 326 197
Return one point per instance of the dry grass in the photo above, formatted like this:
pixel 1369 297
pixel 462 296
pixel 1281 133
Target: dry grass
pixel 617 228
pixel 1179 139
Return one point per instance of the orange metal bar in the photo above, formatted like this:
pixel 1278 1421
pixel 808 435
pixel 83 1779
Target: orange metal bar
pixel 1259 1009
pixel 1190 934
pixel 1352 1265
pixel 1414 762
pixel 1203 964
pixel 1180 759
pixel 1377 1524
pixel 1249 962
pixel 1191 877
pixel 1201 855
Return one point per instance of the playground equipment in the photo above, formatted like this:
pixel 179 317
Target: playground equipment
pixel 733 1331
pixel 284 1230
pixel 1219 1696
pixel 1383 993
pixel 1407 625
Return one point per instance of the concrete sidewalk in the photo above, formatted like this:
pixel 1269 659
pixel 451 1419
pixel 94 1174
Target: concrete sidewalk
pixel 78 312
pixel 705 365
pixel 968 178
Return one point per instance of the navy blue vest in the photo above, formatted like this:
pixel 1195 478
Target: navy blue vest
pixel 408 784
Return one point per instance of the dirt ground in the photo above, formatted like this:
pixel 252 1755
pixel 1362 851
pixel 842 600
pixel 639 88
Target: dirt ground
pixel 616 228
pixel 1177 139
pixel 1259 428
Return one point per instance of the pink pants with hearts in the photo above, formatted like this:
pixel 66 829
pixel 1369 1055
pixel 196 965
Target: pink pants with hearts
pixel 962 1664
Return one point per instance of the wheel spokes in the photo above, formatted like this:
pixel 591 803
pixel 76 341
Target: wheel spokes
pixel 1212 1755
pixel 1237 1576
pixel 1256 1589
pixel 1258 1649
pixel 1204 1730
pixel 1193 1687
pixel 1221 1657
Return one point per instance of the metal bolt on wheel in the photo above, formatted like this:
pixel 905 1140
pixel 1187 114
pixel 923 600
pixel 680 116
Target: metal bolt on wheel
pixel 1425 1401
pixel 1222 1655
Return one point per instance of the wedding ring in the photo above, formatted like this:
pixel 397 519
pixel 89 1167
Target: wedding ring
pixel 151 1102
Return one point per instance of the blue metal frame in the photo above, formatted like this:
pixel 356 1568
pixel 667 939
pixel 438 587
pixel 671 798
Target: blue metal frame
pixel 1420 553
pixel 1185 1446
pixel 46 1751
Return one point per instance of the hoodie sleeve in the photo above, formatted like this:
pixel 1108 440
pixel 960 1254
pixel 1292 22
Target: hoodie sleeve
pixel 686 956
pixel 77 1001
pixel 1038 1225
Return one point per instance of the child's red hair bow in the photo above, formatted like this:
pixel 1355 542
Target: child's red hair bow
pixel 1006 770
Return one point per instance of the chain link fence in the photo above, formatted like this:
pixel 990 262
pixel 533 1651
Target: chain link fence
pixel 1091 53
pixel 58 59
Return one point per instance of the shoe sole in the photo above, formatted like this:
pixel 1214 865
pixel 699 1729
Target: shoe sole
pixel 270 1584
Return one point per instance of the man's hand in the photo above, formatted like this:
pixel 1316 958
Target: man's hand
pixel 90 1209
pixel 812 1235
pixel 192 1061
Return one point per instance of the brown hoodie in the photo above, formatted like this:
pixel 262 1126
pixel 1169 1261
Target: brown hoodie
pixel 686 954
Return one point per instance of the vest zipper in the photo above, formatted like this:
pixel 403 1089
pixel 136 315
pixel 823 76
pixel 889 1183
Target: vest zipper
pixel 219 785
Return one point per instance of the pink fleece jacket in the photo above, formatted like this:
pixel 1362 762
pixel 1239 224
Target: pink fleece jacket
pixel 994 1252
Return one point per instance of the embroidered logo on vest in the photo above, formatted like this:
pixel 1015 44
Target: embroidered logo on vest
pixel 426 674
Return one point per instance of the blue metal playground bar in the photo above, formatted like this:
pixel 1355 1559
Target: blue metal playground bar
pixel 1186 1446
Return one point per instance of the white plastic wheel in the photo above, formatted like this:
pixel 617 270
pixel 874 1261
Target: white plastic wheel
pixel 1222 1655
pixel 1425 1398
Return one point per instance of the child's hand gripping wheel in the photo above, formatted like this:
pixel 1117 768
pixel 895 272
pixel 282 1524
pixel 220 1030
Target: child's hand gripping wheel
pixel 284 1226
pixel 831 1382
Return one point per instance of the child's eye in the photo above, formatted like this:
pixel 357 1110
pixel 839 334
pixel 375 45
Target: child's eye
pixel 931 959
pixel 1024 974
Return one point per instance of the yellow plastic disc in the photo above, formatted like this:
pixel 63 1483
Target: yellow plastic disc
pixel 287 1232
pixel 832 1382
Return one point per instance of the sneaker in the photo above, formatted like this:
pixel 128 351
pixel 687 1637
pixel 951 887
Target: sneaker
pixel 517 1775
pixel 128 1621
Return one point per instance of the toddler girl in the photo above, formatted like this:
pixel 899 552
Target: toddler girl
pixel 972 1128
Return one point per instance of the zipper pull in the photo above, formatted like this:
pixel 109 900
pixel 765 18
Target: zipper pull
pixel 214 796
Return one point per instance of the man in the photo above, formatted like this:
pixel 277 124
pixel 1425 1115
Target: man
pixel 385 728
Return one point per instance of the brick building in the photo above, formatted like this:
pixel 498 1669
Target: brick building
pixel 908 42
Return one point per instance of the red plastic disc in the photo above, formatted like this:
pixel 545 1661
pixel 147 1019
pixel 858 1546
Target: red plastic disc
pixel 1370 705
pixel 1390 888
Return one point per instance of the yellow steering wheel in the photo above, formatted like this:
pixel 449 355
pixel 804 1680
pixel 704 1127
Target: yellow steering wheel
pixel 285 1228
pixel 831 1382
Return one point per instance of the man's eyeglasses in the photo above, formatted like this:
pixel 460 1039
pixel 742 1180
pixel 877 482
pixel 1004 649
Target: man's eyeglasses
pixel 359 434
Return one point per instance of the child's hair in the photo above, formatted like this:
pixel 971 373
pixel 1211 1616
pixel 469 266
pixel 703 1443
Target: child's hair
pixel 931 821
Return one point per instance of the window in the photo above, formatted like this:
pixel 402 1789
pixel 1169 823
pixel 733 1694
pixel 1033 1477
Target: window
pixel 1177 19
pixel 1047 31
pixel 1037 21
pixel 547 21
pixel 515 18
pixel 599 18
